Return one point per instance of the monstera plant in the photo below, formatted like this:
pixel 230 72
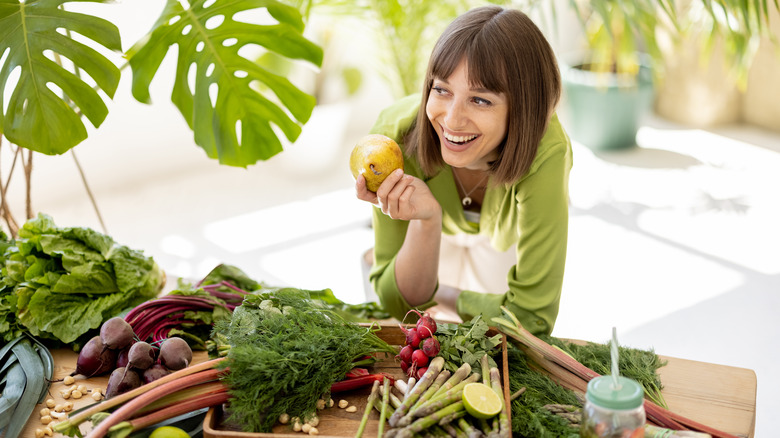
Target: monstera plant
pixel 54 79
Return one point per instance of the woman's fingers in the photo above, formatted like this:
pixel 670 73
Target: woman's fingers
pixel 363 193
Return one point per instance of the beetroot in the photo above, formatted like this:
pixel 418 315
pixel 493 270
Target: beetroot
pixel 116 333
pixel 121 359
pixel 122 380
pixel 430 346
pixel 421 372
pixel 95 359
pixel 419 359
pixel 175 353
pixel 154 372
pixel 140 356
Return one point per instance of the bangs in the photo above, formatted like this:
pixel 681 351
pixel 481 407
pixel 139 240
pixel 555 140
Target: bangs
pixel 484 54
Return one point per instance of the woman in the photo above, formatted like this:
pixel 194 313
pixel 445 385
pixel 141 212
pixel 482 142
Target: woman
pixel 480 218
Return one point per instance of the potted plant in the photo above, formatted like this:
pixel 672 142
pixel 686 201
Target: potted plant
pixel 611 84
pixel 55 78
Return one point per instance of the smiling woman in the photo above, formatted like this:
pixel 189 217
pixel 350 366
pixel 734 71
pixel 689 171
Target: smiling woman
pixel 479 219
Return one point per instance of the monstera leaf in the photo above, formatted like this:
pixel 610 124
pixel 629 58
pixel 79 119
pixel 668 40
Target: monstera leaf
pixel 232 120
pixel 33 35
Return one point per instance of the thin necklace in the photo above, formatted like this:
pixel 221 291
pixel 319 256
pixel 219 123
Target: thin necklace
pixel 467 199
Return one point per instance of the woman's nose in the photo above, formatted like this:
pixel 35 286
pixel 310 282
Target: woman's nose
pixel 456 116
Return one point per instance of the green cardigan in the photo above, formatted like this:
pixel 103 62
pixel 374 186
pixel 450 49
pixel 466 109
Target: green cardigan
pixel 531 215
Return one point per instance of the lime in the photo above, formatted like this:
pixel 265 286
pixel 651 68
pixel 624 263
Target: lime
pixel 169 432
pixel 481 401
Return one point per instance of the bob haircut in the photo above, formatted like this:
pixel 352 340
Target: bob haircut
pixel 506 53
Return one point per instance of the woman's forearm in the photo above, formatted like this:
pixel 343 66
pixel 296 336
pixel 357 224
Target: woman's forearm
pixel 417 264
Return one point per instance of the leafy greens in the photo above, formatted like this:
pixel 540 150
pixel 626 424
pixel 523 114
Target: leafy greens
pixel 59 283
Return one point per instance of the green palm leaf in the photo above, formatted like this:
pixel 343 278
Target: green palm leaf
pixel 36 117
pixel 212 50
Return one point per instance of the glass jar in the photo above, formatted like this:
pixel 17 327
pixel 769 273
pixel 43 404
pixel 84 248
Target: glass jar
pixel 613 411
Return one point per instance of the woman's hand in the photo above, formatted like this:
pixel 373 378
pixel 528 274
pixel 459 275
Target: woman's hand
pixel 401 197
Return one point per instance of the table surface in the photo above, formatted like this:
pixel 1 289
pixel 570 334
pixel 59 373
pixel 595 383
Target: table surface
pixel 719 396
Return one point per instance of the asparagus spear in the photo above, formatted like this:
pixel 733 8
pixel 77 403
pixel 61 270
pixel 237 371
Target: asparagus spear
pixel 503 419
pixel 369 408
pixel 407 419
pixel 434 368
pixel 461 373
pixel 425 422
pixel 383 411
pixel 451 396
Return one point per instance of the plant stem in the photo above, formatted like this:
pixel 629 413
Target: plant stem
pixel 434 368
pixel 383 412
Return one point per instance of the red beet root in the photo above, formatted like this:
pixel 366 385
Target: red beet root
pixel 116 333
pixel 406 354
pixel 95 359
pixel 121 381
pixel 175 353
pixel 155 372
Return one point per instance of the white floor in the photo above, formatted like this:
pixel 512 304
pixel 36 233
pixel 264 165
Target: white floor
pixel 675 242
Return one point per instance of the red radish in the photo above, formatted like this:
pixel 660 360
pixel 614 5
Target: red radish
pixel 413 337
pixel 406 354
pixel 404 367
pixel 426 325
pixel 420 372
pixel 419 358
pixel 430 346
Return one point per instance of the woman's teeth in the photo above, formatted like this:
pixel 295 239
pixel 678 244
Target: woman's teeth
pixel 459 138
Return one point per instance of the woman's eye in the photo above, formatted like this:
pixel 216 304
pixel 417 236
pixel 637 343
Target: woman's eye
pixel 438 90
pixel 481 101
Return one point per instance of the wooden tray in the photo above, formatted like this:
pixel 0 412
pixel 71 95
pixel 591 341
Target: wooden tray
pixel 336 422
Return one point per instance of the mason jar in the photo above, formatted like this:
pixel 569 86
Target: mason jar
pixel 613 411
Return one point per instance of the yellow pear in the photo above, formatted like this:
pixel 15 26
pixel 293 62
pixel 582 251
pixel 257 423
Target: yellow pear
pixel 375 156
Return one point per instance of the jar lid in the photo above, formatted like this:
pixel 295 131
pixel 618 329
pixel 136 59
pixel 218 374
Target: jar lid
pixel 628 395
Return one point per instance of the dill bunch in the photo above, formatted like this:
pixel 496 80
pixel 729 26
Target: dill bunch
pixel 286 350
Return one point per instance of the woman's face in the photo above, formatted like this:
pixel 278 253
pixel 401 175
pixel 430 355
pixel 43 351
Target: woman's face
pixel 470 122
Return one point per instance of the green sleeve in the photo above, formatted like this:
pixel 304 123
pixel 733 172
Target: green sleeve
pixel 535 213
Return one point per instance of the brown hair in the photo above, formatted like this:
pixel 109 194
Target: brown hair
pixel 506 53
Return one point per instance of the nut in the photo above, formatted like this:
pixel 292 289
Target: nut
pixel 65 394
pixel 352 409
pixel 46 419
pixel 343 404
pixel 39 433
pixel 44 411
pixel 76 394
pixel 68 380
pixel 48 431
pixel 82 388
pixel 306 428
pixel 58 408
pixel 314 421
pixel 331 402
pixel 97 396
pixel 67 406
pixel 314 431
pixel 320 404
pixel 284 418
pixel 50 403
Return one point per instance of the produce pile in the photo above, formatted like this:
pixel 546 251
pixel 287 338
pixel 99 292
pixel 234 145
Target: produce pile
pixel 57 284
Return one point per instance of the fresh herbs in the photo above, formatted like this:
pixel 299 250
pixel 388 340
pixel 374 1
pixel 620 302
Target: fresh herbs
pixel 467 343
pixel 286 350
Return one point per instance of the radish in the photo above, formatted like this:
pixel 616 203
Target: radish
pixel 426 325
pixel 406 354
pixel 421 372
pixel 419 359
pixel 412 337
pixel 430 346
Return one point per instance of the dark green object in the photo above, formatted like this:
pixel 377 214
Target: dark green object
pixel 605 110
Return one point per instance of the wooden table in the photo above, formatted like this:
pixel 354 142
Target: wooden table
pixel 719 396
